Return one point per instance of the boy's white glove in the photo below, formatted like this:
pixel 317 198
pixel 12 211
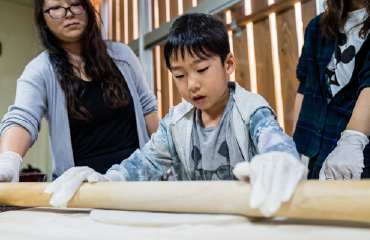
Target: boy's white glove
pixel 10 162
pixel 274 177
pixel 64 187
pixel 346 161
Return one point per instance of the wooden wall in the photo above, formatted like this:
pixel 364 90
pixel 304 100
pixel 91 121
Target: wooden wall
pixel 274 36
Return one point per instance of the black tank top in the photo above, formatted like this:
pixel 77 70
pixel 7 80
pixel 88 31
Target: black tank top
pixel 110 137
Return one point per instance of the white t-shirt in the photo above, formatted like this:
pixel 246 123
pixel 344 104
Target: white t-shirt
pixel 340 68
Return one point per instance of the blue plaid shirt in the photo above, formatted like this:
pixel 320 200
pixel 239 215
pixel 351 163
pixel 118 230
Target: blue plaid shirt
pixel 320 123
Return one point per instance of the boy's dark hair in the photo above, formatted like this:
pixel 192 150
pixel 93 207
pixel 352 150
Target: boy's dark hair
pixel 199 34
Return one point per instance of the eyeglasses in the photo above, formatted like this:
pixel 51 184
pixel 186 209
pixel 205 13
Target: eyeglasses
pixel 223 172
pixel 61 12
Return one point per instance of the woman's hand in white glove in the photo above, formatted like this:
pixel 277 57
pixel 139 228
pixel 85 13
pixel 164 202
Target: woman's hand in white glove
pixel 346 161
pixel 64 187
pixel 10 162
pixel 274 177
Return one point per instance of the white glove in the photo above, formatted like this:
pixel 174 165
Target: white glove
pixel 274 177
pixel 346 161
pixel 10 162
pixel 64 187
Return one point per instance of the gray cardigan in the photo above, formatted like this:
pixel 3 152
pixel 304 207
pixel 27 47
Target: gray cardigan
pixel 39 94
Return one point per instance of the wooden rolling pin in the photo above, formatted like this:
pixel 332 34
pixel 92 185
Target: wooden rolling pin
pixel 338 200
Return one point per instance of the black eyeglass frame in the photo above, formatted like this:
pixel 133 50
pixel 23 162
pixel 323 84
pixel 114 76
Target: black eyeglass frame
pixel 65 12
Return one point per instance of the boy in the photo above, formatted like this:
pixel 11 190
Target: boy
pixel 218 126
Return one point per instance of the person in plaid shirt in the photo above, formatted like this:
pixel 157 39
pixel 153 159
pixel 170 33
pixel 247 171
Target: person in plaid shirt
pixel 334 92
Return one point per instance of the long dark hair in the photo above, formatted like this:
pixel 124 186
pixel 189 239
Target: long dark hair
pixel 99 66
pixel 334 18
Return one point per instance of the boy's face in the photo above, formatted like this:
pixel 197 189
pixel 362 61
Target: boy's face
pixel 203 82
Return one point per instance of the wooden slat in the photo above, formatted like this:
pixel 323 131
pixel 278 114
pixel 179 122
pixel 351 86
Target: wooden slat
pixel 242 75
pixel 257 5
pixel 135 20
pixel 155 89
pixel 97 6
pixel 122 19
pixel 153 14
pixel 176 97
pixel 265 75
pixel 240 49
pixel 157 72
pixel 114 20
pixel 221 17
pixel 279 1
pixel 163 81
pixel 164 84
pixel 109 19
pixel 130 21
pixel 187 4
pixel 238 10
pixel 308 12
pixel 162 11
pixel 262 11
pixel 288 58
pixel 174 9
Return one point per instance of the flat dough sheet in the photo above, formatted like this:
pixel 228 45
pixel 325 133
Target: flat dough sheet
pixel 76 224
pixel 160 219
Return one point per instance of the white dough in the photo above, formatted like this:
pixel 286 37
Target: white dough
pixel 160 219
pixel 76 224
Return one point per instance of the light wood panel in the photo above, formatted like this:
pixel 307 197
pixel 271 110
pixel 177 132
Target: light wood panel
pixel 130 18
pixel 155 89
pixel 242 75
pixel 157 77
pixel 238 10
pixel 114 21
pixel 262 45
pixel 97 6
pixel 265 75
pixel 258 5
pixel 162 11
pixel 174 9
pixel 122 20
pixel 308 12
pixel 163 81
pixel 152 10
pixel 164 84
pixel 187 4
pixel 288 57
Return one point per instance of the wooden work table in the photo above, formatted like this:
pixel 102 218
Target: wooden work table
pixel 49 223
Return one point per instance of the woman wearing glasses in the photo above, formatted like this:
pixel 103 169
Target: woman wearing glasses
pixel 92 93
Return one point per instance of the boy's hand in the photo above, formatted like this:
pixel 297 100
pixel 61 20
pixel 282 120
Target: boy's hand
pixel 274 177
pixel 346 161
pixel 10 162
pixel 64 187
